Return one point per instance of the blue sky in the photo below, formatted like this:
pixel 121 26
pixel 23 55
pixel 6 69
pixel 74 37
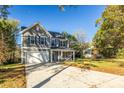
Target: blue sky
pixel 78 18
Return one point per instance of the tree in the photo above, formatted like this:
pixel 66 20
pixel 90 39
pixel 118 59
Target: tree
pixel 4 11
pixel 62 7
pixel 81 44
pixel 7 39
pixel 110 35
pixel 69 36
pixel 7 35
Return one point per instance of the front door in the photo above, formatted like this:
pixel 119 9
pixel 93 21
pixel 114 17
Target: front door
pixel 55 56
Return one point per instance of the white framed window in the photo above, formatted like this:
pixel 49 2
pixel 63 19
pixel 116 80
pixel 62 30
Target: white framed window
pixel 53 42
pixel 60 43
pixel 28 40
pixel 57 42
pixel 64 43
pixel 42 40
pixel 32 39
pixel 36 40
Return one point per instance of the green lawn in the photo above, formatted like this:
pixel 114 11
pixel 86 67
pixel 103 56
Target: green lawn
pixel 12 76
pixel 114 66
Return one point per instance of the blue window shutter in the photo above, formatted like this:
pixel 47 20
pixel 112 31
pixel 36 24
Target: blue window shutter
pixel 35 39
pixel 39 40
pixel 28 41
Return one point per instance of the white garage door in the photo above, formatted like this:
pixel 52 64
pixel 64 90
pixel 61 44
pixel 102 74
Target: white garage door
pixel 38 57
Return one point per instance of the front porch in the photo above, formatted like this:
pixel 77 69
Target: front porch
pixel 58 55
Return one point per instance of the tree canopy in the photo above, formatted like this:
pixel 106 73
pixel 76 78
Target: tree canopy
pixel 4 11
pixel 110 35
pixel 8 27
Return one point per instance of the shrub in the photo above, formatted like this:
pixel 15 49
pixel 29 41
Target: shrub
pixel 120 53
pixel 121 64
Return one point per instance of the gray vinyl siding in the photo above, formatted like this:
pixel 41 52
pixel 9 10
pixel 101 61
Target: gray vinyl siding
pixel 36 34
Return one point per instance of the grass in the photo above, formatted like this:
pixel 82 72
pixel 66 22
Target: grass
pixel 12 76
pixel 114 66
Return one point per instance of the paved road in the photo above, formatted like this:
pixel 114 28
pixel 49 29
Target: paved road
pixel 60 76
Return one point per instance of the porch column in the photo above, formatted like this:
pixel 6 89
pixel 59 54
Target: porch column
pixel 68 44
pixel 61 55
pixel 58 57
pixel 73 55
pixel 51 56
pixel 22 56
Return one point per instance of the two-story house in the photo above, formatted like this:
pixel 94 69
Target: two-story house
pixel 40 45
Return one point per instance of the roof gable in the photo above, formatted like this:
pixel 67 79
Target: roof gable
pixel 50 33
pixel 38 26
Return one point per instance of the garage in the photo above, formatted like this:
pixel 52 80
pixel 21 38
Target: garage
pixel 37 57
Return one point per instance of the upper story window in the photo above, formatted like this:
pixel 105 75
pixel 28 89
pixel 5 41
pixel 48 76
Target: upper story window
pixel 58 43
pixel 63 43
pixel 53 42
pixel 32 39
pixel 42 40
pixel 36 40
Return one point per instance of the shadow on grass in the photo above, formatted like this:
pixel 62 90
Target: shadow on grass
pixel 107 60
pixel 2 81
pixel 13 74
pixel 92 65
pixel 9 73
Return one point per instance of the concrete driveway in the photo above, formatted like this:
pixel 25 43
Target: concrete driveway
pixel 60 76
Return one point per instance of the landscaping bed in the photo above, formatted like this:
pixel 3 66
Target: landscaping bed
pixel 12 76
pixel 113 66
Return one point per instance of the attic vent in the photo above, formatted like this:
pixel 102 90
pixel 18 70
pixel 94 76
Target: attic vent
pixel 37 28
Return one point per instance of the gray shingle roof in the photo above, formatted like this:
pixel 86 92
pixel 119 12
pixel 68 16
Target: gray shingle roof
pixel 56 34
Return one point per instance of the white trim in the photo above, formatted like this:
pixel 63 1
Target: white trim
pixel 60 38
pixel 63 50
pixel 51 56
pixel 23 31
pixel 73 55
pixel 35 47
pixel 45 30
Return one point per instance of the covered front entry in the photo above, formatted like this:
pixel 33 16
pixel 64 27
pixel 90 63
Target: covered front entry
pixel 58 55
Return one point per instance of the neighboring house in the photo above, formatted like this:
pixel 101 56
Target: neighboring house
pixel 91 53
pixel 40 45
pixel 88 53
